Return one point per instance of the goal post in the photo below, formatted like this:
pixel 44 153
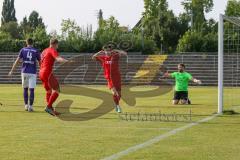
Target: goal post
pixel 228 63
pixel 220 63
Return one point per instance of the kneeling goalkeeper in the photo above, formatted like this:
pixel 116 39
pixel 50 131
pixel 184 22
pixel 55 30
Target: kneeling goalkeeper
pixel 181 87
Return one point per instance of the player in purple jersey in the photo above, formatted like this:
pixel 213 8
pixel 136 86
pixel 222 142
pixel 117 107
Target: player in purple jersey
pixel 29 57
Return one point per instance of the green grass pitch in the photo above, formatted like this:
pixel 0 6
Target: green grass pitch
pixel 39 136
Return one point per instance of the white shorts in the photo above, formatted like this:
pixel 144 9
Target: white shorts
pixel 29 80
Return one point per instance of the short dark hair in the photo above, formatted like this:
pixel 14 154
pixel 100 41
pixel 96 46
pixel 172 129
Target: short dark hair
pixel 110 46
pixel 182 65
pixel 29 41
pixel 53 41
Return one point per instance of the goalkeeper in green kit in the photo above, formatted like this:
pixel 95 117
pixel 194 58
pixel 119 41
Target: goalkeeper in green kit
pixel 181 87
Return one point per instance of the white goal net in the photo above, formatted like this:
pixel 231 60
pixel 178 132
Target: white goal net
pixel 229 64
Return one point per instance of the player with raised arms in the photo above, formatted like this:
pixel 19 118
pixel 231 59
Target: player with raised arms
pixel 50 83
pixel 109 59
pixel 29 57
pixel 182 79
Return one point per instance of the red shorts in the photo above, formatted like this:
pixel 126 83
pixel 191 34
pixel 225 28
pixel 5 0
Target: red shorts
pixel 116 83
pixel 49 81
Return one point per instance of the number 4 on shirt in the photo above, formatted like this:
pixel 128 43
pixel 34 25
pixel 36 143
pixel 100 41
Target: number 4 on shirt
pixel 29 56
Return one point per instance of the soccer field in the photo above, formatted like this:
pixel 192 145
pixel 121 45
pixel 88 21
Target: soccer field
pixel 39 136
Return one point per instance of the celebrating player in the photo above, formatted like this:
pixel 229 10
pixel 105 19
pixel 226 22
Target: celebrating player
pixel 47 77
pixel 28 56
pixel 181 87
pixel 109 60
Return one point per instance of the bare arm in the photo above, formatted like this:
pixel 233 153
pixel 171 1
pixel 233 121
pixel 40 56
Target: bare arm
pixel 121 53
pixel 61 59
pixel 196 81
pixel 167 75
pixel 14 66
pixel 94 57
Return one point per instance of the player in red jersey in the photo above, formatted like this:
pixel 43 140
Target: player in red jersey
pixel 109 60
pixel 50 83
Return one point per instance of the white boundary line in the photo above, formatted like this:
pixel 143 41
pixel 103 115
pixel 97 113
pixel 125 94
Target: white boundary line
pixel 157 139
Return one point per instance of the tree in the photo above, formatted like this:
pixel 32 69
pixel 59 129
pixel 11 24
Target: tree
pixel 196 10
pixel 76 38
pixel 233 8
pixel 8 12
pixel 4 35
pixel 69 28
pixel 30 24
pixel 183 24
pixel 109 31
pixel 24 27
pixel 194 41
pixel 35 21
pixel 100 18
pixel 203 36
pixel 12 28
pixel 160 23
pixel 40 37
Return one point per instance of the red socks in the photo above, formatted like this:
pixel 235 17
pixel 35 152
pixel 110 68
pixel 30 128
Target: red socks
pixel 52 99
pixel 116 99
pixel 48 95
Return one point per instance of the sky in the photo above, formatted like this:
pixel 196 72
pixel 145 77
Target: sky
pixel 84 12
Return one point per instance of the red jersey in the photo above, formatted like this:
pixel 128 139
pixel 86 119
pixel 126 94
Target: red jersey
pixel 110 65
pixel 47 60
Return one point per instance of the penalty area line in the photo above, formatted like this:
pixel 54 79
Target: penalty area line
pixel 157 139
